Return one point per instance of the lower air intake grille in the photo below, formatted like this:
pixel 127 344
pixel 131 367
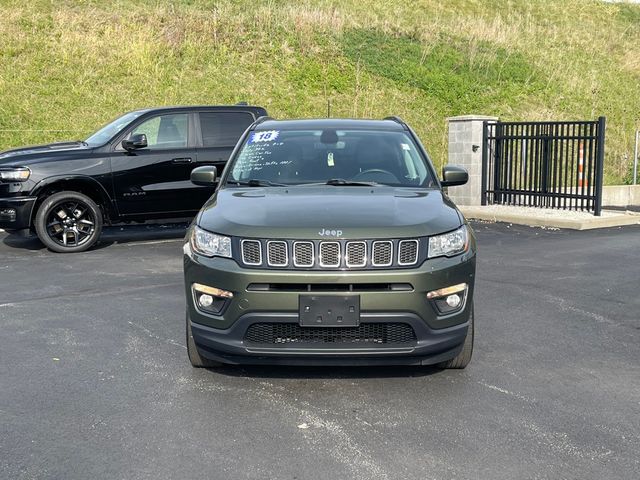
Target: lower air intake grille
pixel 366 333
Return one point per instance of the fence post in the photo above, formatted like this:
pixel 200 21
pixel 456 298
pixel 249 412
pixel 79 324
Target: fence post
pixel 599 166
pixel 485 160
pixel 497 164
pixel 544 181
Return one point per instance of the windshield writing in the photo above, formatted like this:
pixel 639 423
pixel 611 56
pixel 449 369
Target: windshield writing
pixel 358 157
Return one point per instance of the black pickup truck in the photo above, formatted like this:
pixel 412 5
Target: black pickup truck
pixel 136 168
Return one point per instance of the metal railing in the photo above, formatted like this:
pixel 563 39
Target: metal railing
pixel 544 164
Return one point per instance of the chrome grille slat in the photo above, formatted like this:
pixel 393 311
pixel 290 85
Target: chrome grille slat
pixel 330 254
pixel 277 253
pixel 356 255
pixel 251 252
pixel 303 255
pixel 407 252
pixel 382 253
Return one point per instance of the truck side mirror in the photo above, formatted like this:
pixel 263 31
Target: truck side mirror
pixel 453 175
pixel 204 176
pixel 139 140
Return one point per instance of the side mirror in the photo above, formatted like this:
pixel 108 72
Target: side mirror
pixel 204 176
pixel 139 140
pixel 452 175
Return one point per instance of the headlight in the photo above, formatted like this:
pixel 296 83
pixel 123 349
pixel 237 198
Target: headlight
pixel 19 174
pixel 209 244
pixel 449 244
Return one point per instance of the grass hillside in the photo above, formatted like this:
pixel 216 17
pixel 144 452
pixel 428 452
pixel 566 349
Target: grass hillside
pixel 68 67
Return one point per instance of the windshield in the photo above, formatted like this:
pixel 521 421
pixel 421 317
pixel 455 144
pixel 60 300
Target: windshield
pixel 107 132
pixel 336 157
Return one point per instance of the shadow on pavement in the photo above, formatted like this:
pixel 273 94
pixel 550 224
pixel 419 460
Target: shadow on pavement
pixel 117 234
pixel 140 233
pixel 315 372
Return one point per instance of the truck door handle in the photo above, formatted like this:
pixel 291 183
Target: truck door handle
pixel 182 160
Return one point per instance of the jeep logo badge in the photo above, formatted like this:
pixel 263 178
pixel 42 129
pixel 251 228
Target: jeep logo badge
pixel 325 232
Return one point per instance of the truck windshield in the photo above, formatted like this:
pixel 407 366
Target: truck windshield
pixel 334 157
pixel 107 132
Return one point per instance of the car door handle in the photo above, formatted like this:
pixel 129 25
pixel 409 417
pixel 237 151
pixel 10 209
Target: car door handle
pixel 182 160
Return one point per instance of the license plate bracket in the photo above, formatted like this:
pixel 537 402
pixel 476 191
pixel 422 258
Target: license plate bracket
pixel 329 310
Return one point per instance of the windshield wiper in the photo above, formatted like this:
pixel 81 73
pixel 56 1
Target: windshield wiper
pixel 256 183
pixel 349 183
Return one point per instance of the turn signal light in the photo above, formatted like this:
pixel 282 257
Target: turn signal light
pixel 443 292
pixel 216 292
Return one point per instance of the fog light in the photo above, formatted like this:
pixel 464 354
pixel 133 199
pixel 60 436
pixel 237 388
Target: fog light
pixel 210 299
pixel 205 300
pixel 8 213
pixel 449 299
pixel 454 300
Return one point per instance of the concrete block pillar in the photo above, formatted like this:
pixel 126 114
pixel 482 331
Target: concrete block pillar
pixel 465 150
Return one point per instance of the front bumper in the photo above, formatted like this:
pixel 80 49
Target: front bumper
pixel 228 346
pixel 15 212
pixel 223 337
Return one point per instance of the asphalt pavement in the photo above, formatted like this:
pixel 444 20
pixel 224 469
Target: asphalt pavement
pixel 95 381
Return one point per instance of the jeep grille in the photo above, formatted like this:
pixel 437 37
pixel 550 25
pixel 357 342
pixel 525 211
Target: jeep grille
pixel 332 254
pixel 408 252
pixel 303 254
pixel 329 254
pixel 251 252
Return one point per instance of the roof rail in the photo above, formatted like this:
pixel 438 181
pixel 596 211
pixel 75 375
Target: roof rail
pixel 396 119
pixel 242 103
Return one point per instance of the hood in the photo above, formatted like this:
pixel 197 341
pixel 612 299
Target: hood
pixel 329 212
pixel 51 149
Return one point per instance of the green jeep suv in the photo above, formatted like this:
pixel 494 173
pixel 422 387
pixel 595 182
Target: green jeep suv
pixel 329 242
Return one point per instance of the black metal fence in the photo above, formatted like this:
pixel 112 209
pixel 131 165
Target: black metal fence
pixel 544 164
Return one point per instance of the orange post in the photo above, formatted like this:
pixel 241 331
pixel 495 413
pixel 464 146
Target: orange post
pixel 582 182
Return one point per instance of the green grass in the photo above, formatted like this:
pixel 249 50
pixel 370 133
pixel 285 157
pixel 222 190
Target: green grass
pixel 68 67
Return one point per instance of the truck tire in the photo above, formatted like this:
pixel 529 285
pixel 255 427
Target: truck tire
pixel 197 360
pixel 68 222
pixel 464 357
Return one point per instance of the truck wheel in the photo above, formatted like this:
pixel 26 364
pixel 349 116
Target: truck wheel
pixel 464 357
pixel 68 222
pixel 195 358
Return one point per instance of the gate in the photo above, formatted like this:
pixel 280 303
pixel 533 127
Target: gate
pixel 544 164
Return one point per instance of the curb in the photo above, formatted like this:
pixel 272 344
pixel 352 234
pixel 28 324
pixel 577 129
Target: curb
pixel 537 220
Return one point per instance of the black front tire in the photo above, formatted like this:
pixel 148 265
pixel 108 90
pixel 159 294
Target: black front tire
pixel 197 360
pixel 464 357
pixel 59 208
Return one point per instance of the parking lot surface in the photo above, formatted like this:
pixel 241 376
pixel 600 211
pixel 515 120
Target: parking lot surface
pixel 95 381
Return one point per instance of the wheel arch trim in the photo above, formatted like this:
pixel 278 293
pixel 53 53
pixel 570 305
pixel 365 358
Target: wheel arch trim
pixel 90 183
